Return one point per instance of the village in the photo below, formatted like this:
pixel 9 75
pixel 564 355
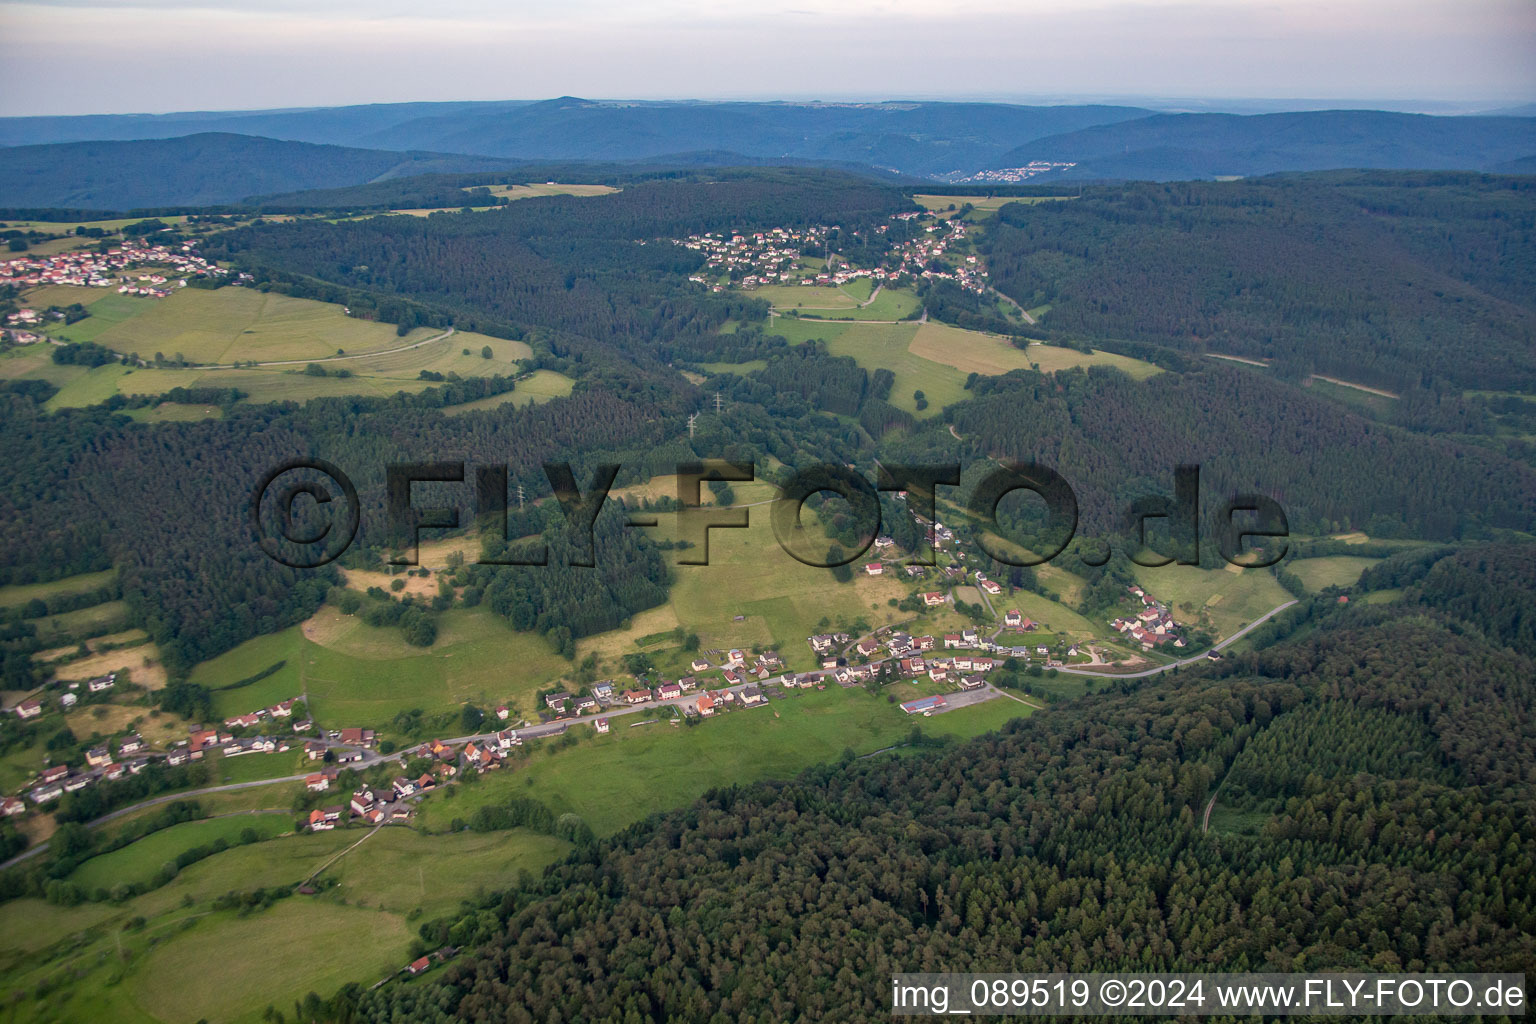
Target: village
pixel 753 260
pixel 116 267
pixel 953 667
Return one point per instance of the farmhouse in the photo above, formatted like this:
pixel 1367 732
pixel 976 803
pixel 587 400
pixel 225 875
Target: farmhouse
pixel 131 745
pixel 69 700
pixel 101 683
pixel 991 587
pixel 874 569
pixel 319 782
pixel 636 696
pixel 357 737
pixel 29 708
pixel 752 695
pixel 98 756
pixel 318 821
pixel 11 806
pixel 601 725
pixel 933 598
pixel 706 705
pixel 669 691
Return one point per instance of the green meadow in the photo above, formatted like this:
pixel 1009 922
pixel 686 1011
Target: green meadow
pixel 638 769
pixel 20 594
pixel 1330 571
pixel 132 961
pixel 138 862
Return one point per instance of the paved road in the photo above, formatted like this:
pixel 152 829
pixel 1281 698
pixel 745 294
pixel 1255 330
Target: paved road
pixel 1187 661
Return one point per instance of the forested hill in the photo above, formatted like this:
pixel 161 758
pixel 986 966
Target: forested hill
pixel 198 170
pixel 1385 764
pixel 913 138
pixel 1183 146
pixel 1391 280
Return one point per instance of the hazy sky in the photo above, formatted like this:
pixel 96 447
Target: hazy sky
pixel 95 56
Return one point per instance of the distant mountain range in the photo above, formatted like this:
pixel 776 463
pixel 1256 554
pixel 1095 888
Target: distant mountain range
pixel 199 170
pixel 198 158
pixel 1181 146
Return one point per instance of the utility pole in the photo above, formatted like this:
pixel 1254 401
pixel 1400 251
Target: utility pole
pixel 691 418
pixel 520 498
pixel 718 402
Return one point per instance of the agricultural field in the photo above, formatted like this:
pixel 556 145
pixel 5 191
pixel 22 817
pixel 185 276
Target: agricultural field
pixel 1330 571
pixel 228 325
pixel 889 346
pixel 968 351
pixel 982 207
pixel 380 374
pixel 638 769
pixel 550 188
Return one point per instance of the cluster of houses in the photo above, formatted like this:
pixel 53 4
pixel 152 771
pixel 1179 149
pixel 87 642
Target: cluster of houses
pixel 773 257
pixel 131 758
pixel 1151 627
pixel 103 270
pixel 1015 175
pixel 918 256
pixel 761 257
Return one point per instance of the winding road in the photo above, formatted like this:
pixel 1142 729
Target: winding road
pixel 1187 661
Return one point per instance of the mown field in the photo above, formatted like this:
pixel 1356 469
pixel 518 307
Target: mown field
pixel 242 324
pixel 229 325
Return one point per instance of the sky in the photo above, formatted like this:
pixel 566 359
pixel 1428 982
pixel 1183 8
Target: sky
pixel 155 56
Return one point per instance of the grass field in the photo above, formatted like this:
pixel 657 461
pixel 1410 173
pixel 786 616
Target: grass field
pixel 810 298
pixel 295 947
pixel 968 351
pixel 1330 571
pixel 541 386
pixel 242 324
pixel 888 346
pixel 1227 601
pixel 636 770
pixel 139 861
pixel 358 675
pixel 1050 358
pixel 982 207
pixel 84 622
pixel 69 586
pixel 357 930
pixel 402 871
pixel 533 191
pixel 229 325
